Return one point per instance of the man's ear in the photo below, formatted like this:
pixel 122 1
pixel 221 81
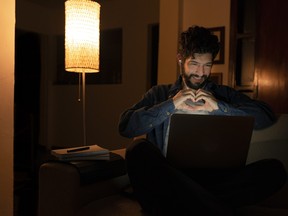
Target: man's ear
pixel 179 58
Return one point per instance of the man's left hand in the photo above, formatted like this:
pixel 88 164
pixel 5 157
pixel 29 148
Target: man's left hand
pixel 210 102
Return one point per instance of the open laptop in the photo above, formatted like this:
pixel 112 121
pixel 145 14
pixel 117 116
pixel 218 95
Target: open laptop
pixel 209 141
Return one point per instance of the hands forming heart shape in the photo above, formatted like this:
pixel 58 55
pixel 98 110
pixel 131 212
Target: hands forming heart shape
pixel 193 100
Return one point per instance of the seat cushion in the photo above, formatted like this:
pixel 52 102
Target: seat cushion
pixel 95 170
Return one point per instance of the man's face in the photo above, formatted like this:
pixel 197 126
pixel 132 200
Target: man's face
pixel 197 70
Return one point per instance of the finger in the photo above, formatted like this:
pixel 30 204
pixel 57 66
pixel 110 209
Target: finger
pixel 202 97
pixel 190 108
pixel 203 92
pixel 189 91
pixel 210 101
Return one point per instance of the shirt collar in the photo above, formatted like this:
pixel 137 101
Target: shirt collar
pixel 175 87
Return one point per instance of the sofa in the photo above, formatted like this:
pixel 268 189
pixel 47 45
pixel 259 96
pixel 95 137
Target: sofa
pixel 62 190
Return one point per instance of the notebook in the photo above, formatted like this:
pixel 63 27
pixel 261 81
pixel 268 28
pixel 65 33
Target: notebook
pixel 209 141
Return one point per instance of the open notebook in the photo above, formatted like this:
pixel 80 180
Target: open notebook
pixel 209 141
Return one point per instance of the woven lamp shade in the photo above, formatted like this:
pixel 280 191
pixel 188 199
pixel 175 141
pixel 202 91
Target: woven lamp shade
pixel 82 36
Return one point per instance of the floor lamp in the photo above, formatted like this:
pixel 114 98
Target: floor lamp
pixel 82 38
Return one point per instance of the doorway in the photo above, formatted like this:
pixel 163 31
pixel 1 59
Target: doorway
pixel 26 120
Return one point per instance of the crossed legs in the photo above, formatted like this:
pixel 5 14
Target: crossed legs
pixel 164 190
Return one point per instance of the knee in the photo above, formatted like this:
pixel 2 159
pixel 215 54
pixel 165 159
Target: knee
pixel 277 165
pixel 277 171
pixel 141 150
pixel 136 147
pixel 281 169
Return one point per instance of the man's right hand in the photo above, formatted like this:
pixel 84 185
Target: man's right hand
pixel 183 95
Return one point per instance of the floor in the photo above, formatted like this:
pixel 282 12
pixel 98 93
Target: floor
pixel 118 205
pixel 26 203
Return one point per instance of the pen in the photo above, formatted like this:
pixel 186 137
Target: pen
pixel 78 149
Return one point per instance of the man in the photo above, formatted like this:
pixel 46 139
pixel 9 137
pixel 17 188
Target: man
pixel 162 189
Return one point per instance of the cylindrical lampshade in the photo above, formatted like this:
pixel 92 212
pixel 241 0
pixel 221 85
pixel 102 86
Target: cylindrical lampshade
pixel 82 36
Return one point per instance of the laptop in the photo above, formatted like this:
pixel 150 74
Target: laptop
pixel 209 141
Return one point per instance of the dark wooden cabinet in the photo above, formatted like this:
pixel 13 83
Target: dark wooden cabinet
pixel 259 50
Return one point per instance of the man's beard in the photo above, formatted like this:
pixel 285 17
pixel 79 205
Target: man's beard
pixel 195 86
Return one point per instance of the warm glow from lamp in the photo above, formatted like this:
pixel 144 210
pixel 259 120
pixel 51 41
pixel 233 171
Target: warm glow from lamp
pixel 82 20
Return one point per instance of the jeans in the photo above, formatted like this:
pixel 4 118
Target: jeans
pixel 161 189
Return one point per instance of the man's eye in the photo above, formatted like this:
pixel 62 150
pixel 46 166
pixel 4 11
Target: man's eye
pixel 193 63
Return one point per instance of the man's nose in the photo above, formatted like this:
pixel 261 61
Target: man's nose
pixel 200 70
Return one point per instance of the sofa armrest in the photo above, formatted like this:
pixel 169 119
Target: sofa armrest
pixel 61 191
pixel 271 142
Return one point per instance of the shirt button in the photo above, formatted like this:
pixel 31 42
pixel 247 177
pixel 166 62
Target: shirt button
pixel 150 125
pixel 168 113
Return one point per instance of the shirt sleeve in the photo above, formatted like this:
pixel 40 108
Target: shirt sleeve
pixel 232 102
pixel 152 110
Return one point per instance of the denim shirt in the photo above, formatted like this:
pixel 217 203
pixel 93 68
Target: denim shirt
pixel 151 114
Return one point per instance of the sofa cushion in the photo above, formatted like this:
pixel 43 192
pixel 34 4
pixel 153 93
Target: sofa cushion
pixel 271 142
pixel 94 170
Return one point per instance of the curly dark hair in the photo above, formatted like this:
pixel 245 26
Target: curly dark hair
pixel 198 39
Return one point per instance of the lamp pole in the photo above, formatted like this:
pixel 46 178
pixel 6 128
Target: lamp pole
pixel 84 108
